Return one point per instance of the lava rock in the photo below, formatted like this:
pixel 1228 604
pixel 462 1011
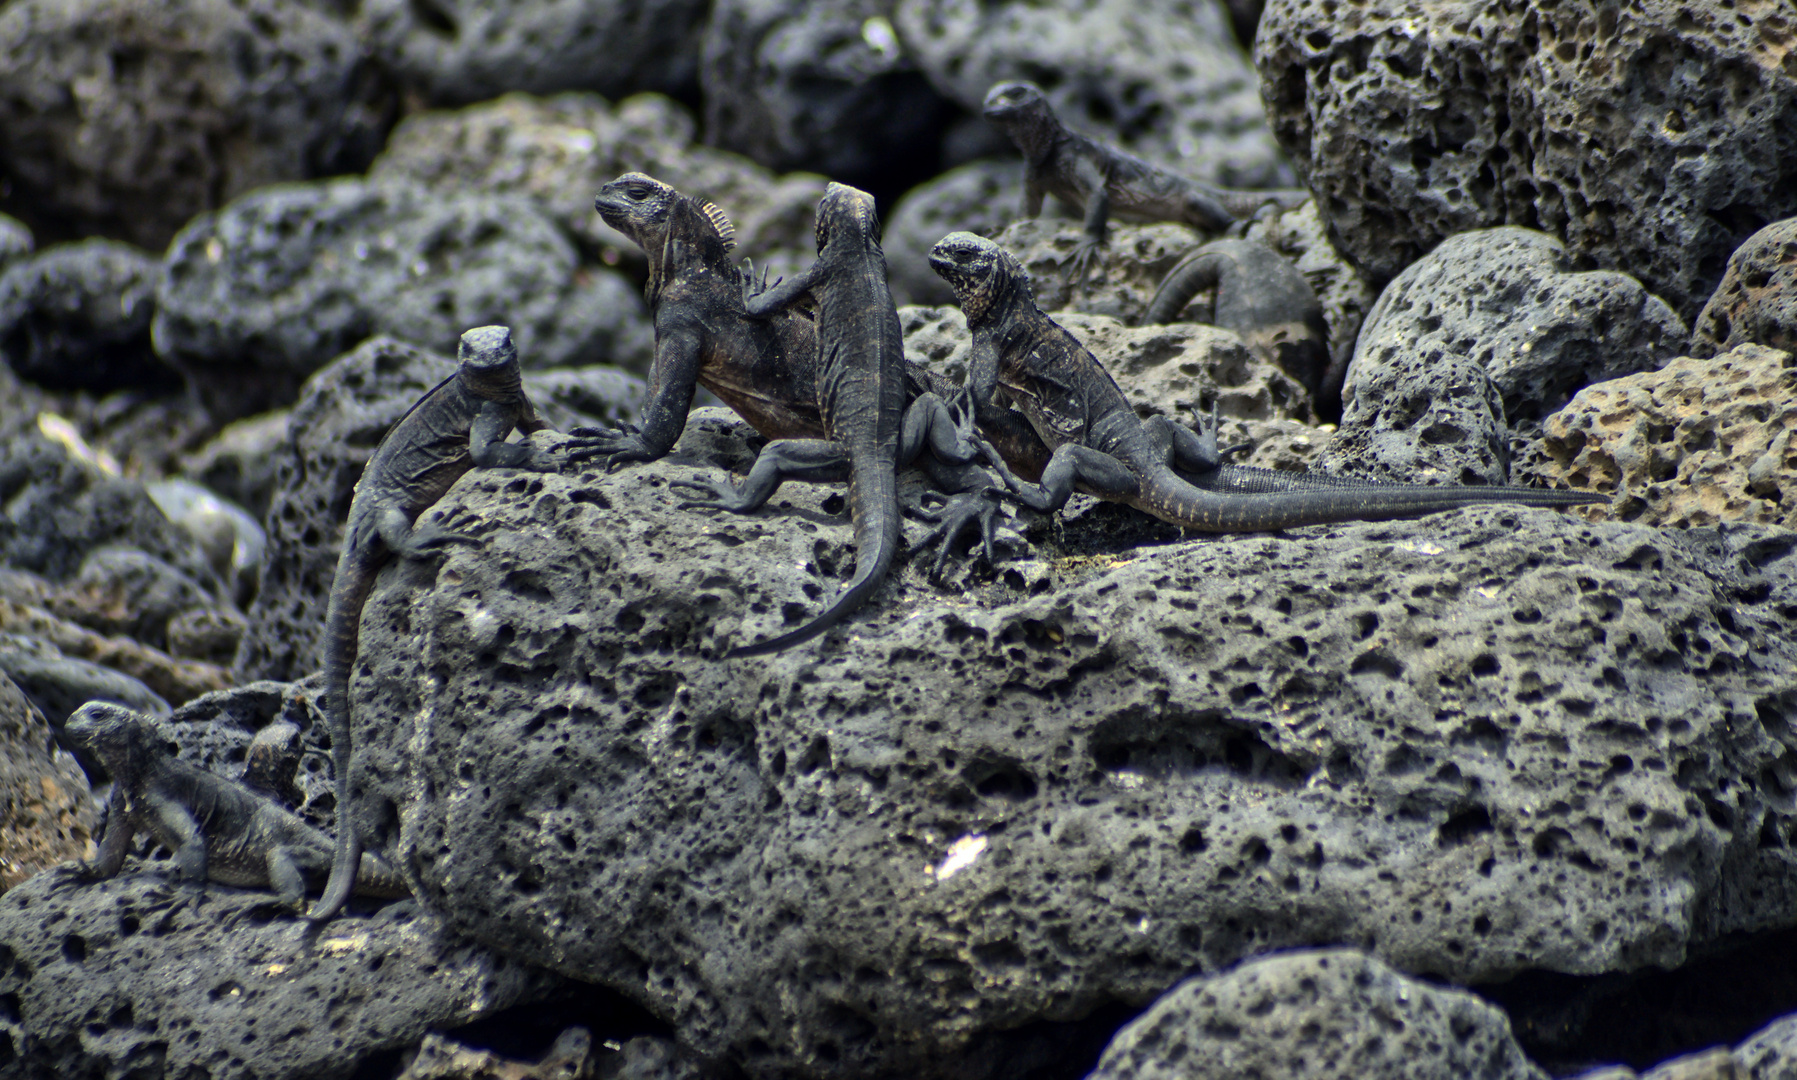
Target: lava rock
pixel 1164 79
pixel 1698 442
pixel 1125 272
pixel 442 1058
pixel 239 462
pixel 129 592
pixel 217 732
pixel 1344 291
pixel 1651 145
pixel 452 52
pixel 1757 300
pixel 264 292
pixel 57 685
pixel 1485 741
pixel 16 241
pixel 1323 1014
pixel 125 118
pixel 981 197
pixel 47 814
pixel 77 317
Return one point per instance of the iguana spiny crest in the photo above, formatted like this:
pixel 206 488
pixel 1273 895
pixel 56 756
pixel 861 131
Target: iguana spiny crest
pixel 658 218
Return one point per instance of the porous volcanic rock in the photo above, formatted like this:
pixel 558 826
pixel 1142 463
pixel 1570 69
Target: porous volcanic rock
pixel 1697 442
pixel 16 241
pixel 1164 79
pixel 57 685
pixel 1768 1054
pixel 1323 1015
pixel 1481 742
pixel 215 733
pixel 77 317
pixel 1757 300
pixel 1651 142
pixel 980 197
pixel 1124 274
pixel 264 292
pixel 1341 287
pixel 451 52
pixel 47 815
pixel 125 118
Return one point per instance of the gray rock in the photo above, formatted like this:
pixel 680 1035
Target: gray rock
pixel 233 542
pixel 123 591
pixel 981 197
pixel 125 118
pixel 1651 145
pixel 1342 289
pixel 138 976
pixel 77 317
pixel 1322 1015
pixel 16 241
pixel 1125 272
pixel 269 289
pixel 1757 300
pixel 1476 743
pixel 452 52
pixel 57 685
pixel 216 731
pixel 1769 1053
pixel 1165 79
pixel 239 461
pixel 47 814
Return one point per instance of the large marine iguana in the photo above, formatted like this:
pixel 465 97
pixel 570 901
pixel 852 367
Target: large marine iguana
pixel 1102 447
pixel 216 828
pixel 459 425
pixel 1098 179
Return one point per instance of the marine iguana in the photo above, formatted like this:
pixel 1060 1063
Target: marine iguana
pixel 869 432
pixel 1101 446
pixel 460 424
pixel 1097 179
pixel 1263 298
pixel 216 828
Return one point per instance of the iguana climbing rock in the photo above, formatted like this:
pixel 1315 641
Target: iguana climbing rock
pixel 1101 446
pixel 217 829
pixel 869 430
pixel 1264 300
pixel 460 424
pixel 1098 180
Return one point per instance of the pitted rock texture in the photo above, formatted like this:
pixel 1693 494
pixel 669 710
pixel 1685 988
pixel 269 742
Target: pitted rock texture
pixel 1698 442
pixel 981 197
pixel 1125 272
pixel 1768 1054
pixel 1164 79
pixel 57 685
pixel 452 52
pixel 1322 1015
pixel 1651 139
pixel 47 815
pixel 16 241
pixel 125 118
pixel 215 732
pixel 77 317
pixel 1757 300
pixel 560 150
pixel 264 292
pixel 138 976
pixel 1475 743
pixel 1341 287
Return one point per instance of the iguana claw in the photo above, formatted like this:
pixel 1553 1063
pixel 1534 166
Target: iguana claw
pixel 962 510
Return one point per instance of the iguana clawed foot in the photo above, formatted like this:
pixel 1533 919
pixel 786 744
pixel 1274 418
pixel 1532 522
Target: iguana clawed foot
pixel 619 446
pixel 723 496
pixel 1079 262
pixel 981 508
pixel 428 539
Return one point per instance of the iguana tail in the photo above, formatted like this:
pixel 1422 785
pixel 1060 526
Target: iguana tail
pixel 342 628
pixel 874 505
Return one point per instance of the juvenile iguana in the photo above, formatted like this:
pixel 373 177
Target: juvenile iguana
pixel 1101 446
pixel 869 432
pixel 460 424
pixel 1097 179
pixel 216 828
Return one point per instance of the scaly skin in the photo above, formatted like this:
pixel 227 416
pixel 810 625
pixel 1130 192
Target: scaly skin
pixel 217 829
pixel 1101 447
pixel 459 425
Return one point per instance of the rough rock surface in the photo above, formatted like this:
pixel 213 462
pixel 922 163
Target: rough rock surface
pixel 980 197
pixel 77 317
pixel 238 461
pixel 560 150
pixel 1768 1054
pixel 171 678
pixel 453 52
pixel 1341 287
pixel 1124 274
pixel 1476 743
pixel 127 117
pixel 57 685
pixel 269 289
pixel 47 815
pixel 1651 144
pixel 1165 79
pixel 1325 1014
pixel 1698 442
pixel 16 241
pixel 1757 300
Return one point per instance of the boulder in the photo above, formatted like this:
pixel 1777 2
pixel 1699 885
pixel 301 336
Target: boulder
pixel 1757 300
pixel 47 815
pixel 980 197
pixel 77 317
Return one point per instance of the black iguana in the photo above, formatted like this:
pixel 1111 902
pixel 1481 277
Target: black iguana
pixel 216 828
pixel 460 424
pixel 1098 180
pixel 869 431
pixel 1101 446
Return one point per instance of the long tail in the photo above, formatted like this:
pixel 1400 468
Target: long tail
pixel 342 628
pixel 873 502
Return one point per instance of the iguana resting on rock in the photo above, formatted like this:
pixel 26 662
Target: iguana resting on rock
pixel 216 828
pixel 1101 446
pixel 1098 179
pixel 460 424
pixel 869 430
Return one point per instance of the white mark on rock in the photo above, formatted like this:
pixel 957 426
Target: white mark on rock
pixel 961 855
pixel 339 946
pixel 1424 548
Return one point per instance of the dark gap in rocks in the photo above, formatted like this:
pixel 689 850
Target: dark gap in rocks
pixel 1048 1050
pixel 526 1032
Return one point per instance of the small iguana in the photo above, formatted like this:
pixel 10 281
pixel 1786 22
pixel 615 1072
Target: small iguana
pixel 459 425
pixel 1102 447
pixel 1264 300
pixel 869 431
pixel 1097 179
pixel 217 828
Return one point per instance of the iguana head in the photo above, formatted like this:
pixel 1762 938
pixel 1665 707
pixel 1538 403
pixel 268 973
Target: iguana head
pixel 1021 110
pixel 981 273
pixel 489 363
pixel 123 740
pixel 849 214
pixel 654 214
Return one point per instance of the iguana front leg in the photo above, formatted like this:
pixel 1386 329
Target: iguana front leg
pixel 672 379
pixel 115 845
pixel 810 460
pixel 1096 228
pixel 176 827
